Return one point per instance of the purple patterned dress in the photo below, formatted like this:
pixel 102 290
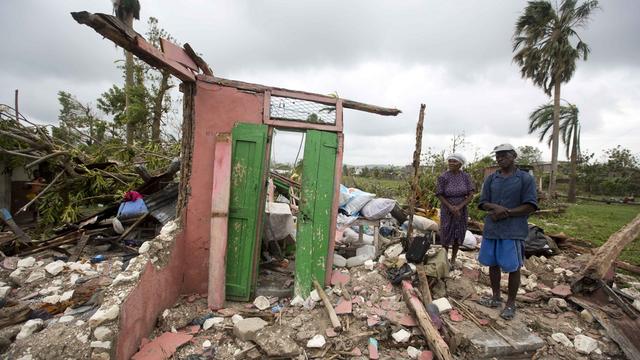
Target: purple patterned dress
pixel 454 188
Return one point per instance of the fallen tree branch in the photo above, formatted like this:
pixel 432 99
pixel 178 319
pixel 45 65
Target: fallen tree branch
pixel 40 193
pixel 335 321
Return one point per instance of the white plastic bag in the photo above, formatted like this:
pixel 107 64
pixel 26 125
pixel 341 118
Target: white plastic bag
pixel 423 224
pixel 377 208
pixel 470 241
pixel 358 200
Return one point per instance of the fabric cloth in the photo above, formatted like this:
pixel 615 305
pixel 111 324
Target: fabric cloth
pixel 510 192
pixel 454 187
pixel 436 264
pixel 506 253
pixel 132 196
pixel 457 157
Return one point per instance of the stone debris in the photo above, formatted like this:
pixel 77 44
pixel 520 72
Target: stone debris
pixel 215 321
pixel 246 329
pixel 206 344
pixel 261 303
pixel 55 267
pixel 558 302
pixel 26 262
pixel 562 339
pixel 401 336
pixel 584 344
pixel 413 352
pixel 101 344
pixel 443 305
pixel 102 333
pixel 29 328
pixel 104 314
pixel 339 260
pixel 317 341
pixel 586 316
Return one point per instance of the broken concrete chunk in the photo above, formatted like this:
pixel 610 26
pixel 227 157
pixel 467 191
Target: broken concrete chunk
pixel 314 296
pixel 560 303
pixel 356 261
pixel 101 344
pixel 26 262
pixel 66 319
pixel 55 267
pixel 586 316
pixel 317 341
pixel 562 339
pixel 277 344
pixel 393 251
pixel 413 352
pixel 584 344
pixel 442 304
pixel 206 344
pixel 262 303
pixel 401 336
pixel 235 318
pixel 102 333
pixel 246 329
pixel 4 291
pixel 297 301
pixel 66 295
pixel 29 328
pixel 368 251
pixel 51 299
pixel 211 322
pixel 339 260
pixel 369 264
pixel 144 248
pixel 104 314
pixel 123 278
pixel 36 275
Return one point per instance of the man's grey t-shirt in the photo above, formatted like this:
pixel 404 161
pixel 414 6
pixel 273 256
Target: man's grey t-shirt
pixel 510 192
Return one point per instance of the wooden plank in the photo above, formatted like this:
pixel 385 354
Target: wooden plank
pixel 219 220
pixel 435 341
pixel 606 255
pixel 629 267
pixel 198 60
pixel 424 284
pixel 335 322
pixel 416 167
pixel 173 52
pixel 81 244
pixel 348 104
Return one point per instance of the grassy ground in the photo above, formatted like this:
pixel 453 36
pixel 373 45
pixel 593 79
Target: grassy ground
pixel 594 222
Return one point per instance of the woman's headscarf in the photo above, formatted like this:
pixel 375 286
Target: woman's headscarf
pixel 457 157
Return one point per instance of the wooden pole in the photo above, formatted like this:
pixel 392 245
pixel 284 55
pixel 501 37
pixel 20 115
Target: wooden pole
pixel 629 267
pixel 424 284
pixel 17 112
pixel 435 341
pixel 335 321
pixel 606 254
pixel 416 168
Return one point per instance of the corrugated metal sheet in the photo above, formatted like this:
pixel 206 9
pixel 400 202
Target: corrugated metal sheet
pixel 162 204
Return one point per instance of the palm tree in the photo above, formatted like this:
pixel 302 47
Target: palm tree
pixel 543 43
pixel 127 10
pixel 542 119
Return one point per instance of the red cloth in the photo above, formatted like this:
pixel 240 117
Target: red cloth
pixel 132 196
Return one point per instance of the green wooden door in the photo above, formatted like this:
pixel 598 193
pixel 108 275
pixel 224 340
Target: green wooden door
pixel 314 219
pixel 247 173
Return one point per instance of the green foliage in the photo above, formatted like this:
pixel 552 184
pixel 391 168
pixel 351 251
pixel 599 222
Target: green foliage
pixel 529 155
pixel 594 222
pixel 618 175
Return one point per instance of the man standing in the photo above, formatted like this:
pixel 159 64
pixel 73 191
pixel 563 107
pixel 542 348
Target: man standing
pixel 508 196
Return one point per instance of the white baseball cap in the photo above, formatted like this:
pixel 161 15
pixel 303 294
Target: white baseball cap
pixel 503 147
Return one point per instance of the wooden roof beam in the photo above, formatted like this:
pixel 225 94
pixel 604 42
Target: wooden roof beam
pixel 349 104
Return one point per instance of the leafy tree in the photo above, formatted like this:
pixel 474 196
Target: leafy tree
pixel 546 47
pixel 78 121
pixel 529 155
pixel 542 119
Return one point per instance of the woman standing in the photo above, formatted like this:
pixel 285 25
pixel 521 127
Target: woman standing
pixel 455 190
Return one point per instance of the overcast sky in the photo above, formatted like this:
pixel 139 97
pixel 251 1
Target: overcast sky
pixel 454 56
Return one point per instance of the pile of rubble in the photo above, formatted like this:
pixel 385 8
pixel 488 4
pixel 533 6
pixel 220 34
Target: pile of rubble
pixel 375 322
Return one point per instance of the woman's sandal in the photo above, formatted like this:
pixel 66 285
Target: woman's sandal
pixel 509 312
pixel 490 302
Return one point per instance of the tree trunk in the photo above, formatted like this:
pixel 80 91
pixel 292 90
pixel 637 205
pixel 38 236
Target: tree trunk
pixel 128 85
pixel 555 139
pixel 157 107
pixel 574 166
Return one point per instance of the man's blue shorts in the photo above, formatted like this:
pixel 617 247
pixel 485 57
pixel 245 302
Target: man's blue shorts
pixel 506 253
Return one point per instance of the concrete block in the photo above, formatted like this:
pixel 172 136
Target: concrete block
pixel 4 291
pixel 104 314
pixel 413 352
pixel 562 339
pixel 401 336
pixel 339 260
pixel 369 264
pixel 102 333
pixel 442 304
pixel 246 329
pixel 262 303
pixel 584 344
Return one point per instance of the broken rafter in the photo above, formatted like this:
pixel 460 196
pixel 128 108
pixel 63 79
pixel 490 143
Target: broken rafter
pixel 122 35
pixel 335 321
pixel 349 104
pixel 605 256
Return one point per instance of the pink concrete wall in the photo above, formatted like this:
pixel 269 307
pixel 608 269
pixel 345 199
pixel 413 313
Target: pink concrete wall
pixel 217 109
pixel 156 291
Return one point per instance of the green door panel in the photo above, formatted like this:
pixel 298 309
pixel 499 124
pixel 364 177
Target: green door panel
pixel 247 171
pixel 314 219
